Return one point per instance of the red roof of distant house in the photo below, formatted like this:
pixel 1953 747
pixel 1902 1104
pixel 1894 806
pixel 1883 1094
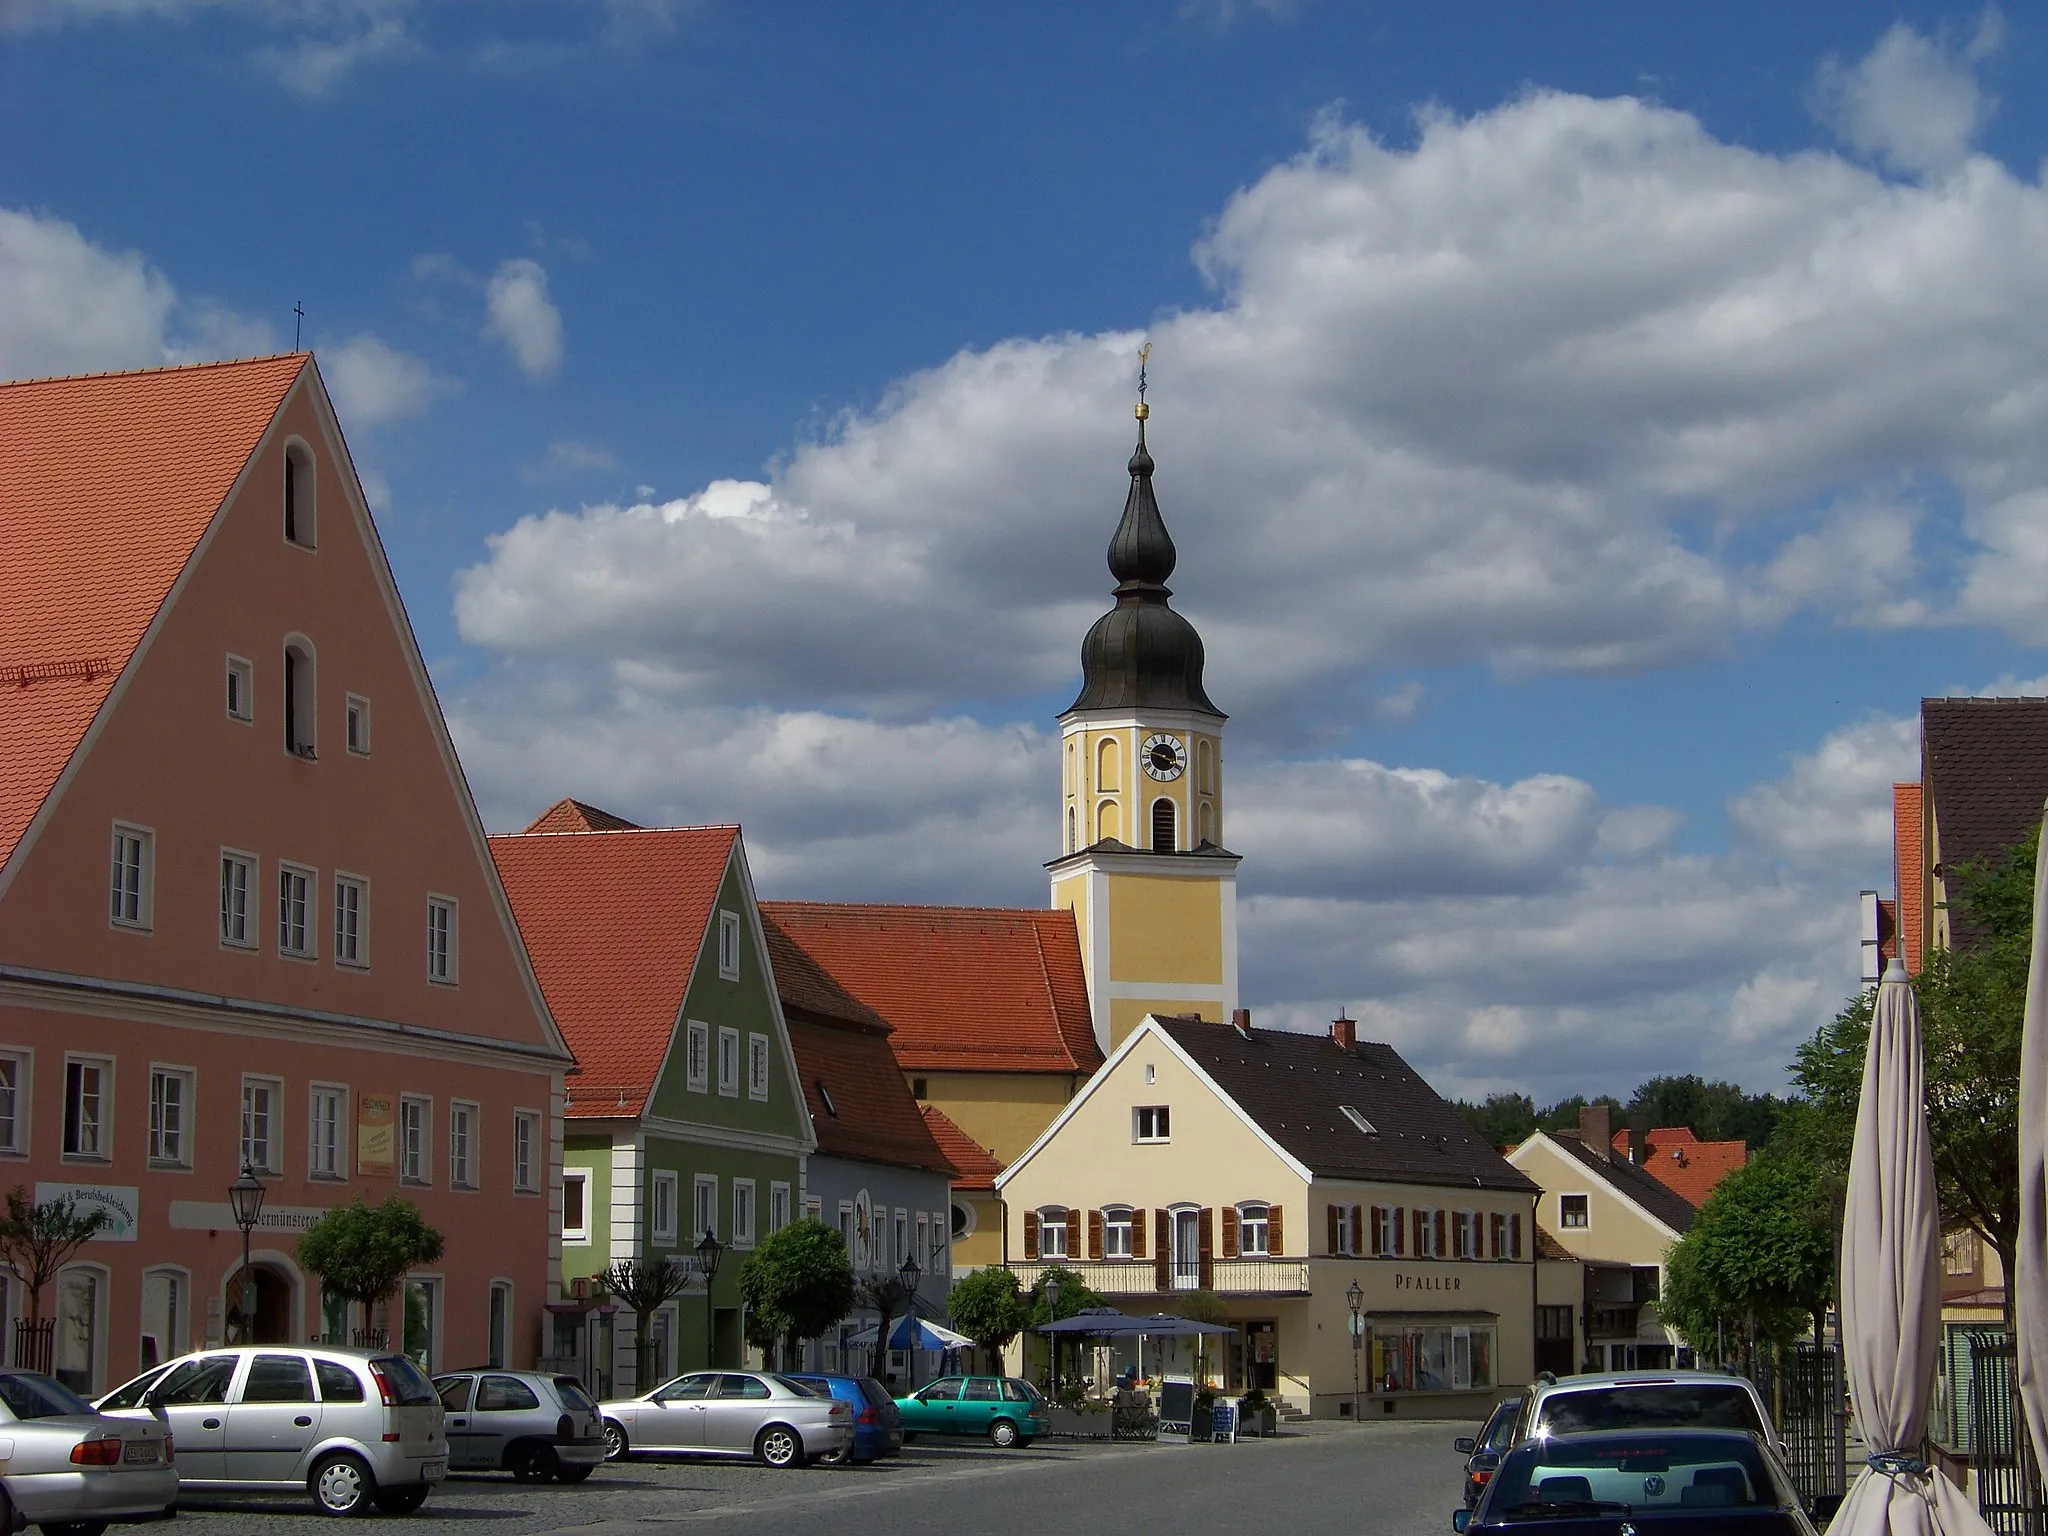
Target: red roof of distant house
pixel 976 1164
pixel 966 989
pixel 575 816
pixel 1683 1164
pixel 614 922
pixel 107 481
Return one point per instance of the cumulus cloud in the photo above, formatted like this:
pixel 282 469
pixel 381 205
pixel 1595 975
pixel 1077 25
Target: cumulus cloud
pixel 519 313
pixel 313 66
pixel 1834 807
pixel 373 383
pixel 1914 102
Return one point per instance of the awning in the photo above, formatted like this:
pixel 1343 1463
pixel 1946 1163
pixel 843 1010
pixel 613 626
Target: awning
pixel 929 1335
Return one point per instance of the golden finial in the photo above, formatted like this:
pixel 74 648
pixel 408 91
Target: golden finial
pixel 1144 357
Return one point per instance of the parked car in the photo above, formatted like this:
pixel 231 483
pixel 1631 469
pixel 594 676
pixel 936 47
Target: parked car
pixel 730 1413
pixel 1643 1400
pixel 1482 1452
pixel 1672 1482
pixel 538 1427
pixel 352 1427
pixel 877 1424
pixel 1007 1409
pixel 71 1469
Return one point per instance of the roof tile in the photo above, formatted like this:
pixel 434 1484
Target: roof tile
pixel 1985 762
pixel 1661 1201
pixel 870 1115
pixel 1681 1162
pixel 977 1165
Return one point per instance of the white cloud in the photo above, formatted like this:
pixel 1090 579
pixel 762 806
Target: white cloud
pixel 519 313
pixel 313 66
pixel 373 383
pixel 1913 102
pixel 1833 810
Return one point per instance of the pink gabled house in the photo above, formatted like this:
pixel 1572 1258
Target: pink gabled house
pixel 247 911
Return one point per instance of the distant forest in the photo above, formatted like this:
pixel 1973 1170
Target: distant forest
pixel 1714 1111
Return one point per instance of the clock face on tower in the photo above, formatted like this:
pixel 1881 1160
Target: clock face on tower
pixel 1164 756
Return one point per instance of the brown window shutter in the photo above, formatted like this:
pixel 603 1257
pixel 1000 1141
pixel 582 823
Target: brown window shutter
pixel 1137 1234
pixel 1515 1234
pixel 1372 1236
pixel 1205 1238
pixel 1273 1243
pixel 1031 1234
pixel 1230 1231
pixel 1400 1231
pixel 1331 1212
pixel 1162 1249
pixel 1073 1231
pixel 1357 1230
pixel 1442 1220
pixel 1095 1234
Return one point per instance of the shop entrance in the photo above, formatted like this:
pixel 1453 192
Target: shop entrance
pixel 1262 1355
pixel 260 1306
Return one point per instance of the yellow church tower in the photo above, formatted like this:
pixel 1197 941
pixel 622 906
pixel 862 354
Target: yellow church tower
pixel 1153 891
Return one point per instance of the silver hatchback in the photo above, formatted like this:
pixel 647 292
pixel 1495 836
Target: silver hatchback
pixel 71 1470
pixel 538 1427
pixel 352 1427
pixel 730 1413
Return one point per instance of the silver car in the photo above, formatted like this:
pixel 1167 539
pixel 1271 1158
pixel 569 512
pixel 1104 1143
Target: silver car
pixel 71 1470
pixel 730 1413
pixel 538 1427
pixel 352 1427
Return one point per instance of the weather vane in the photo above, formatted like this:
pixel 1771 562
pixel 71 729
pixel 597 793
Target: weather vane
pixel 1144 357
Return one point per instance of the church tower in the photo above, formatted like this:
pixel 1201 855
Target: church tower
pixel 1142 865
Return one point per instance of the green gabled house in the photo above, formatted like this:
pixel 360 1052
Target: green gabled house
pixel 685 1114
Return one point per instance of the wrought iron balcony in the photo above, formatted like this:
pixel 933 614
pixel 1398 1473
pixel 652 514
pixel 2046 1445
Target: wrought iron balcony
pixel 1144 1277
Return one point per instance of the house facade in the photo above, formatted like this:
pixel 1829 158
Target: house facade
pixel 1268 1173
pixel 247 914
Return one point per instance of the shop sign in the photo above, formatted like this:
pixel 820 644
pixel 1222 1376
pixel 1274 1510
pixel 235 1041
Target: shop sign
pixel 117 1202
pixel 1428 1283
pixel 376 1136
pixel 218 1216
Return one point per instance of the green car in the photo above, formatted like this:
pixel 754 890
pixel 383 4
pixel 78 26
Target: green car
pixel 1008 1410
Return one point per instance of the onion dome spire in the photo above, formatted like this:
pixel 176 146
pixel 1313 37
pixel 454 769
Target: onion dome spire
pixel 1141 654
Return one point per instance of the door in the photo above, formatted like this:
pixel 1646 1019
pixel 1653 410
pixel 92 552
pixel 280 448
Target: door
pixel 455 1393
pixel 1187 1250
pixel 931 1411
pixel 494 1420
pixel 980 1401
pixel 674 1417
pixel 272 1422
pixel 737 1413
pixel 1262 1351
pixel 194 1398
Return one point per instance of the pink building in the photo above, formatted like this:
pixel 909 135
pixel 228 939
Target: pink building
pixel 247 913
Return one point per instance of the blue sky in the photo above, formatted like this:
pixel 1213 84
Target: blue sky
pixel 1587 431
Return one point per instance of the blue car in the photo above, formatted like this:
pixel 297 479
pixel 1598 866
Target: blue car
pixel 877 1425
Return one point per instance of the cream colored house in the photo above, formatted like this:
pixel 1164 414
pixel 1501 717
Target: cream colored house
pixel 1611 1223
pixel 1275 1171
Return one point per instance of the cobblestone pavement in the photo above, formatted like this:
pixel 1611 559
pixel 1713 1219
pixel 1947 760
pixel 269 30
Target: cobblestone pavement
pixel 1357 1480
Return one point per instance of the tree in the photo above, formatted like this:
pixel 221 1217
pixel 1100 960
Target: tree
pixel 643 1287
pixel 796 1284
pixel 1716 1111
pixel 1503 1120
pixel 989 1308
pixel 37 1240
pixel 362 1252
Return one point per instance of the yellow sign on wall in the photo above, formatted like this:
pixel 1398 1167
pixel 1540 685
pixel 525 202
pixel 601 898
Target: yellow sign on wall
pixel 376 1135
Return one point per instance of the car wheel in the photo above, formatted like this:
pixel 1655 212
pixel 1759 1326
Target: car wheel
pixel 575 1474
pixel 909 1437
pixel 779 1446
pixel 72 1527
pixel 341 1485
pixel 616 1446
pixel 543 1464
pixel 524 1463
pixel 401 1501
pixel 1002 1434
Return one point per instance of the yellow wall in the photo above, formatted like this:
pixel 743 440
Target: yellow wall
pixel 984 1245
pixel 1003 1111
pixel 1162 928
pixel 1105 786
pixel 1127 1013
pixel 1617 1231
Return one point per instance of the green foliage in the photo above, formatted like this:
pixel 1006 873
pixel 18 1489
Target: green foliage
pixel 38 1239
pixel 1716 1111
pixel 796 1284
pixel 989 1308
pixel 362 1251
pixel 1075 1296
pixel 1759 1262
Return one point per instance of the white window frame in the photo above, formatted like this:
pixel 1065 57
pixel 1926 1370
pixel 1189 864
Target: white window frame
pixel 16 1125
pixel 526 1131
pixel 1391 1217
pixel 134 910
pixel 360 886
pixel 697 1056
pixel 757 1067
pixel 779 1205
pixel 744 1213
pixel 703 1206
pixel 465 1144
pixel 422 1176
pixel 250 867
pixel 102 1148
pixel 272 1161
pixel 1349 1241
pixel 444 965
pixel 579 1233
pixel 1047 1225
pixel 1585 1196
pixel 1162 1126
pixel 310 925
pixel 355 724
pixel 240 678
pixel 335 1094
pixel 664 1187
pixel 729 946
pixel 1115 1219
pixel 728 1062
pixel 179 1155
pixel 1265 1225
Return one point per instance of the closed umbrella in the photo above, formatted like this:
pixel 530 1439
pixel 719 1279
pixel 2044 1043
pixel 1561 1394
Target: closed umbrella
pixel 2029 1279
pixel 1891 1285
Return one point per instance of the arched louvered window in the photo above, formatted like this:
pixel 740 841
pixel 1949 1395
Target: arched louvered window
pixel 1162 826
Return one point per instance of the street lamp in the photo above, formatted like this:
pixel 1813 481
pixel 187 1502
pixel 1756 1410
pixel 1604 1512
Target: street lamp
pixel 910 1274
pixel 1357 1299
pixel 709 1251
pixel 245 1199
pixel 1052 1315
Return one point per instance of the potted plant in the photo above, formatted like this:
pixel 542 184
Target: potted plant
pixel 1256 1414
pixel 1205 1399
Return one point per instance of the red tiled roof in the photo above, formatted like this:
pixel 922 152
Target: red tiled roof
pixel 860 1106
pixel 976 1164
pixel 966 989
pixel 808 990
pixel 574 816
pixel 614 922
pixel 107 482
pixel 1697 1166
pixel 1548 1247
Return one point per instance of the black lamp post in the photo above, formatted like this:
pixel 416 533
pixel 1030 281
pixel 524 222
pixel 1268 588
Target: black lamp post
pixel 910 1274
pixel 1052 1311
pixel 1357 1299
pixel 245 1199
pixel 709 1251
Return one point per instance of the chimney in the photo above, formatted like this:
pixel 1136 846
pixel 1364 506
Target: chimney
pixel 1344 1032
pixel 1241 1021
pixel 1596 1131
pixel 1639 1139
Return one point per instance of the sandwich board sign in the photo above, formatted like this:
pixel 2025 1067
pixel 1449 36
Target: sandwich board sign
pixel 1177 1409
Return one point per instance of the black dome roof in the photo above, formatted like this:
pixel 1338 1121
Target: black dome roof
pixel 1141 654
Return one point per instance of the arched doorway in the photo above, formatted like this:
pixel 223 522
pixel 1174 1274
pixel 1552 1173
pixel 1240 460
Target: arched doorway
pixel 268 1300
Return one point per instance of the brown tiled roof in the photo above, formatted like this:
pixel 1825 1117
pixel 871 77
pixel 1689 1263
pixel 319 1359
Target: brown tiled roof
pixel 614 922
pixel 1548 1247
pixel 860 1106
pixel 1985 762
pixel 965 989
pixel 977 1165
pixel 1297 1087
pixel 1667 1205
pixel 574 816
pixel 1681 1162
pixel 107 483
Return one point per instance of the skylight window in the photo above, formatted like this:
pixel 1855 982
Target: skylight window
pixel 825 1098
pixel 1360 1121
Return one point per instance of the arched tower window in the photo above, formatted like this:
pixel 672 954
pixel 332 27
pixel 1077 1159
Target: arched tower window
pixel 1162 826
pixel 1207 823
pixel 1205 767
pixel 299 509
pixel 299 695
pixel 1109 821
pixel 1070 829
pixel 1106 766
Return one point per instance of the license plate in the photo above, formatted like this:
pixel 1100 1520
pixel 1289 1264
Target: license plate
pixel 140 1450
pixel 434 1471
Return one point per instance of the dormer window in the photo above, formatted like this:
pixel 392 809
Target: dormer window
pixel 299 696
pixel 299 508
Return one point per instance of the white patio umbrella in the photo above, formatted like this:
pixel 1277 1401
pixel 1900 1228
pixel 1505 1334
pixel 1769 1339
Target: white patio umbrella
pixel 2029 1279
pixel 1891 1286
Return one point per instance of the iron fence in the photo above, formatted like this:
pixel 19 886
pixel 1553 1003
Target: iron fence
pixel 2009 1494
pixel 35 1344
pixel 1812 1422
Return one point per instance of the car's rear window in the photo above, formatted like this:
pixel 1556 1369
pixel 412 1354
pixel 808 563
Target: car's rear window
pixel 1660 1405
pixel 806 1386
pixel 39 1397
pixel 876 1393
pixel 408 1382
pixel 571 1392
pixel 1718 1478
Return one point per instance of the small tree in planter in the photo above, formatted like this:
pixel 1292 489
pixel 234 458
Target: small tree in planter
pixel 363 1251
pixel 989 1308
pixel 796 1284
pixel 36 1241
pixel 644 1287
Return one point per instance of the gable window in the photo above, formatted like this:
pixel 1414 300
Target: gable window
pixel 415 1151
pixel 170 1103
pixel 356 725
pixel 300 697
pixel 704 1207
pixel 729 1062
pixel 1052 1232
pixel 237 875
pixel 327 1114
pixel 351 919
pixel 241 690
pixel 262 1133
pixel 697 1056
pixel 757 1066
pixel 1572 1212
pixel 525 1146
pixel 1162 826
pixel 575 1205
pixel 443 941
pixel 729 945
pixel 133 874
pixel 88 1106
pixel 1116 1231
pixel 13 1102
pixel 743 1213
pixel 1253 1229
pixel 1150 1122
pixel 462 1149
pixel 299 509
pixel 294 911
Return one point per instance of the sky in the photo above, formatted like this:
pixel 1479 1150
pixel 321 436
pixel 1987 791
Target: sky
pixel 1588 430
